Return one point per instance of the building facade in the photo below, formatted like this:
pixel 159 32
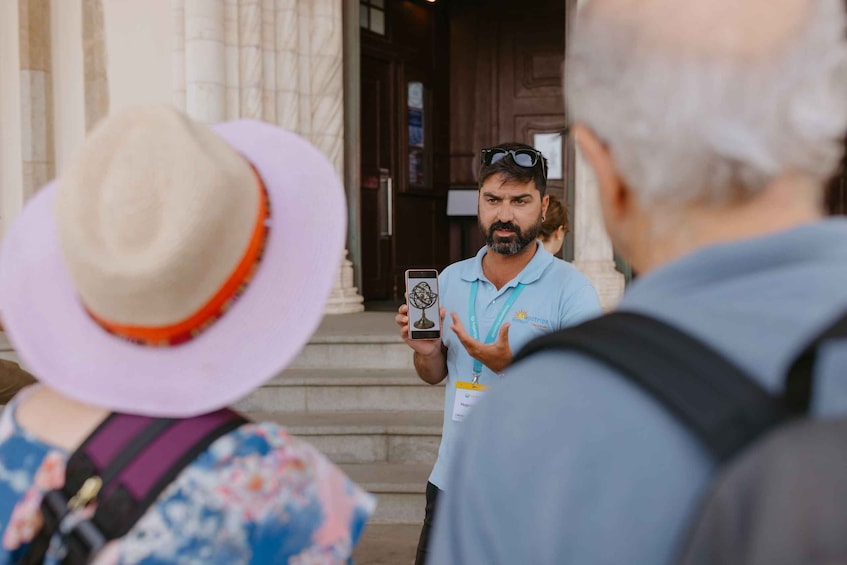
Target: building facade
pixel 399 94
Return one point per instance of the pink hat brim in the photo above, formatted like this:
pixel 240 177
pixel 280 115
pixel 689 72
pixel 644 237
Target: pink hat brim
pixel 256 339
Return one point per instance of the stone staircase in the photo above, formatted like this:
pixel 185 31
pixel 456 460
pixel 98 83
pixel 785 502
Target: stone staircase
pixel 353 393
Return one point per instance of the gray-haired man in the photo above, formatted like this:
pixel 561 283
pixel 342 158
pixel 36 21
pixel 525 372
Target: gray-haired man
pixel 711 126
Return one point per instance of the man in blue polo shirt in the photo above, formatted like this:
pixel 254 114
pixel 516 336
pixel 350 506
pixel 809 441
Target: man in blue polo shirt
pixel 511 292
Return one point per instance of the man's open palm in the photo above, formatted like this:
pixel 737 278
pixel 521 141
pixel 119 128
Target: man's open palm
pixel 496 356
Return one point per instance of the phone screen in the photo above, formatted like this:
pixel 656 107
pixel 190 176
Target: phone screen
pixel 422 299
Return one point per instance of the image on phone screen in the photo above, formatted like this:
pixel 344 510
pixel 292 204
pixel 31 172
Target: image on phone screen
pixel 422 292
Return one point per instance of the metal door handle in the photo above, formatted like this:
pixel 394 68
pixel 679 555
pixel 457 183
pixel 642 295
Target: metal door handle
pixel 389 186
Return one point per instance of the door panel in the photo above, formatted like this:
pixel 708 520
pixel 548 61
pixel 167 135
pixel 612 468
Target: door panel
pixel 377 160
pixel 506 84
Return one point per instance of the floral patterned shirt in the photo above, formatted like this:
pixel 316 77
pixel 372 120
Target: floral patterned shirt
pixel 256 495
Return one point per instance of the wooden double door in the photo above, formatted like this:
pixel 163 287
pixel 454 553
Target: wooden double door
pixel 443 81
pixel 404 145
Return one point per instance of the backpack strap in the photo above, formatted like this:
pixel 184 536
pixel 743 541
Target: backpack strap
pixel 799 383
pixel 710 395
pixel 124 465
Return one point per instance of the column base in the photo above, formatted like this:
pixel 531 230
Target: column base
pixel 607 280
pixel 344 298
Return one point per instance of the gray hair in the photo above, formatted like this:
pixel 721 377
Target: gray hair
pixel 683 128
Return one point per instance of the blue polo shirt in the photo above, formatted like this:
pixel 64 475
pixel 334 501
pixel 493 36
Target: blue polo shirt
pixel 555 295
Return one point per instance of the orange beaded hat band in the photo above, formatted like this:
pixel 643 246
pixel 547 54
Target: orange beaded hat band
pixel 158 233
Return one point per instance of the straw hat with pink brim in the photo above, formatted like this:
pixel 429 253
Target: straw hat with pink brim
pixel 173 268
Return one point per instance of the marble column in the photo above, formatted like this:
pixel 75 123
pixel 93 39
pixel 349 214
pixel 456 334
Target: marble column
pixel 233 60
pixel 11 155
pixel 274 60
pixel 326 106
pixel 94 63
pixel 287 64
pixel 250 58
pixel 326 81
pixel 593 253
pixel 178 57
pixel 205 60
pixel 269 60
pixel 304 67
pixel 36 111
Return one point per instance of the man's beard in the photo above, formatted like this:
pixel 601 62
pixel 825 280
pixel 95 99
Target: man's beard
pixel 513 244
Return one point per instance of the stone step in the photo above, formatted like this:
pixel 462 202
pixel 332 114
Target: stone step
pixel 327 390
pixel 400 490
pixel 355 352
pixel 366 437
pixel 364 340
pixel 387 544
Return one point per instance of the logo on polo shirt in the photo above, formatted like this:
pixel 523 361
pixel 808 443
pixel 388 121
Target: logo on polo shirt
pixel 524 317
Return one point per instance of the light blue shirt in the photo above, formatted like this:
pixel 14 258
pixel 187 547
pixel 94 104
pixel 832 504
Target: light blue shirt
pixel 556 295
pixel 567 462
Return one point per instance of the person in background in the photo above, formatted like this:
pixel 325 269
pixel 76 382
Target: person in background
pixel 12 378
pixel 168 272
pixel 712 127
pixel 554 227
pixel 513 289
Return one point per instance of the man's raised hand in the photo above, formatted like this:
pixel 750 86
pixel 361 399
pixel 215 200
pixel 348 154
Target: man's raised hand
pixel 496 356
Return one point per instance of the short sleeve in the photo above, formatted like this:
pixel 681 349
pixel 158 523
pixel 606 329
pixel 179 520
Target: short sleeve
pixel 579 305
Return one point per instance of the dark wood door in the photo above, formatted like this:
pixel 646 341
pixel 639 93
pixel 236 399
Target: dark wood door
pixel 506 85
pixel 836 193
pixel 404 146
pixel 377 141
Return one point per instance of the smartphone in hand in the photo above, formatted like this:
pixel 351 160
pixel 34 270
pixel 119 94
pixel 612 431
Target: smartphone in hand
pixel 424 306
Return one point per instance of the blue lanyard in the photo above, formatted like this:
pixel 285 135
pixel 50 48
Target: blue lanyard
pixel 495 328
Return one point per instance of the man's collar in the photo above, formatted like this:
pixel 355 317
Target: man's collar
pixel 472 270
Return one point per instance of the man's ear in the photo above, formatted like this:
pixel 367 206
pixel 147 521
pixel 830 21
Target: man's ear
pixel 545 202
pixel 615 197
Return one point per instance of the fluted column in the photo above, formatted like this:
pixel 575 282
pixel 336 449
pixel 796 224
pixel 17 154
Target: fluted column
pixel 287 63
pixel 36 110
pixel 205 60
pixel 327 81
pixel 11 161
pixel 269 60
pixel 274 60
pixel 326 84
pixel 94 62
pixel 233 60
pixel 178 57
pixel 593 253
pixel 250 57
pixel 304 67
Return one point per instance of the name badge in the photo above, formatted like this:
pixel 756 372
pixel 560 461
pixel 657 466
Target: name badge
pixel 467 395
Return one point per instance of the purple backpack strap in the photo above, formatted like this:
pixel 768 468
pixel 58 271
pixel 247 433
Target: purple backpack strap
pixel 123 466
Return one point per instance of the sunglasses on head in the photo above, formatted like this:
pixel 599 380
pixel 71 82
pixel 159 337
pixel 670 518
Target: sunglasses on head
pixel 526 158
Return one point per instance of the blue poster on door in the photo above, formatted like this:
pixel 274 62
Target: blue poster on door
pixel 416 131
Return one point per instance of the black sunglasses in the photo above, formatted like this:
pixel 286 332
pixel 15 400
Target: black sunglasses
pixel 526 158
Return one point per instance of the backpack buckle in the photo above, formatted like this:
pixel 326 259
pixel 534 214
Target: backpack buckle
pixel 86 493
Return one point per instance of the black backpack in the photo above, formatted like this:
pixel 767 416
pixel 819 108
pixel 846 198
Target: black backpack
pixel 779 495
